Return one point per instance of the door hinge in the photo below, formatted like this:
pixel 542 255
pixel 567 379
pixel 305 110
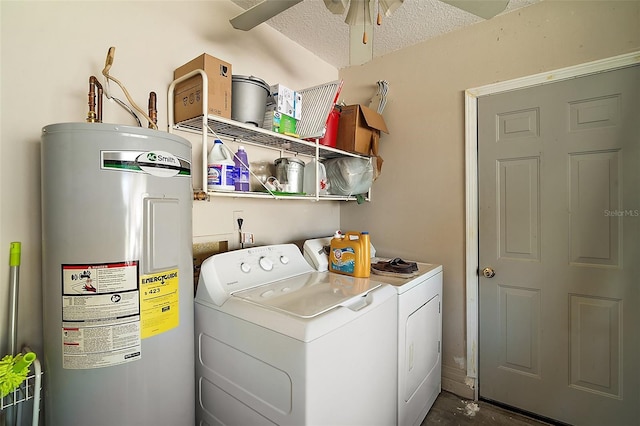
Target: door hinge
pixel 438 346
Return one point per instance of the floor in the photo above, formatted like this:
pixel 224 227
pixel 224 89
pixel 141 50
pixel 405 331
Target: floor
pixel 450 409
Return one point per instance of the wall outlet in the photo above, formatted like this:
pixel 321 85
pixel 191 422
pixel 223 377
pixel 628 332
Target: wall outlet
pixel 237 214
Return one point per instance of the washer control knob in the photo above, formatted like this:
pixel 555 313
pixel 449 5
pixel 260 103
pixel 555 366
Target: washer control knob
pixel 245 267
pixel 266 263
pixel 284 260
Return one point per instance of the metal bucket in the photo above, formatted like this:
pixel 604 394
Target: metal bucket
pixel 290 174
pixel 249 96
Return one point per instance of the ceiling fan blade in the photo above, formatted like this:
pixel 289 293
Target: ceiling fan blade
pixel 261 12
pixel 483 8
pixel 389 6
pixel 337 7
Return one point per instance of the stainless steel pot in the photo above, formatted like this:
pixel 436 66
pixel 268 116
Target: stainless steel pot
pixel 290 174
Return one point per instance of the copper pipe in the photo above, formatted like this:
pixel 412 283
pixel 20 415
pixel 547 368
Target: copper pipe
pixel 200 195
pixel 91 116
pixel 153 110
pixel 100 95
pixel 95 116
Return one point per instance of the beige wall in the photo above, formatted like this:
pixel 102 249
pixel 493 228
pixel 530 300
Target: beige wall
pixel 418 208
pixel 49 50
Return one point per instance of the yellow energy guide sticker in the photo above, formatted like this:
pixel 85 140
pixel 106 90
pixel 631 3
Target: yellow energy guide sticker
pixel 159 302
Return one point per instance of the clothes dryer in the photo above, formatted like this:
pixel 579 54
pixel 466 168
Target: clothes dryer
pixel 419 340
pixel 419 324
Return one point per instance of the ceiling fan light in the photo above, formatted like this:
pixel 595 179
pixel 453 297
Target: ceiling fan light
pixel 336 7
pixel 359 13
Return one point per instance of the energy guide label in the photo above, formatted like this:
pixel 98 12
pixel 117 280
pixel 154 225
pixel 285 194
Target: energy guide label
pixel 100 314
pixel 159 302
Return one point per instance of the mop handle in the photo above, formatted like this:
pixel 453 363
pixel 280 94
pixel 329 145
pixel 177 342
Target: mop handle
pixel 14 263
pixel 14 254
pixel 20 362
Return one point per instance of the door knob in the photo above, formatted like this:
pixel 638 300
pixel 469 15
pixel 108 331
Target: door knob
pixel 488 272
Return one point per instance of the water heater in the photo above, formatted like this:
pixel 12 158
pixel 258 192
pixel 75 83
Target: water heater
pixel 117 276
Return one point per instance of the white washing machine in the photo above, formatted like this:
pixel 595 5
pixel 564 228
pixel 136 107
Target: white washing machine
pixel 278 342
pixel 419 325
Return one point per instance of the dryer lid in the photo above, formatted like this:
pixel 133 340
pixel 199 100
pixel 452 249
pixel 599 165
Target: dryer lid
pixel 310 295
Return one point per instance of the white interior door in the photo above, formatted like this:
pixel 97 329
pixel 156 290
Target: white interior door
pixel 559 224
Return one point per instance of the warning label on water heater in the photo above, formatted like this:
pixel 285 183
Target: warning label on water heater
pixel 100 315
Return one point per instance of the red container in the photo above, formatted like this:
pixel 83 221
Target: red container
pixel 331 131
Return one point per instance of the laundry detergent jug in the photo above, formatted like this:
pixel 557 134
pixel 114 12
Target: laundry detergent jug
pixel 350 254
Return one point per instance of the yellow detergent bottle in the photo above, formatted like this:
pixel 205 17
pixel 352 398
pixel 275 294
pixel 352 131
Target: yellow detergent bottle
pixel 351 254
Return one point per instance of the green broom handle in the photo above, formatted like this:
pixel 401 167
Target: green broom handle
pixel 14 258
pixel 20 362
pixel 14 263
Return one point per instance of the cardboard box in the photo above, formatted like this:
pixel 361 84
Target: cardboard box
pixel 359 130
pixel 188 94
pixel 287 101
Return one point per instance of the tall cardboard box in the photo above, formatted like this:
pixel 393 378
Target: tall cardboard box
pixel 359 130
pixel 188 94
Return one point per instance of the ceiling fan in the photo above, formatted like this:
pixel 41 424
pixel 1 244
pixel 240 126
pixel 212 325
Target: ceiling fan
pixel 359 17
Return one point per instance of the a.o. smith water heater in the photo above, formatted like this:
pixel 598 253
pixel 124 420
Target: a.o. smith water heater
pixel 117 276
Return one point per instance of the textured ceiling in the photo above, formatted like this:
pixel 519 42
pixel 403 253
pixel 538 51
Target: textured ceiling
pixel 314 27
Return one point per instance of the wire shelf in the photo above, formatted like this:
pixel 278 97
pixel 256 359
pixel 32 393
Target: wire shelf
pixel 29 389
pixel 26 391
pixel 247 133
pixel 322 98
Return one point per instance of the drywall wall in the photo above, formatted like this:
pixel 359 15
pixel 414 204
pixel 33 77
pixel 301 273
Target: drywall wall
pixel 49 50
pixel 418 208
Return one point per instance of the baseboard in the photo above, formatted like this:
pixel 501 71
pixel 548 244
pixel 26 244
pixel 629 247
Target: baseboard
pixel 455 381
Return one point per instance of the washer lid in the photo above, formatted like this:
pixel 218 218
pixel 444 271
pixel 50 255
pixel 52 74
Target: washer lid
pixel 309 295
